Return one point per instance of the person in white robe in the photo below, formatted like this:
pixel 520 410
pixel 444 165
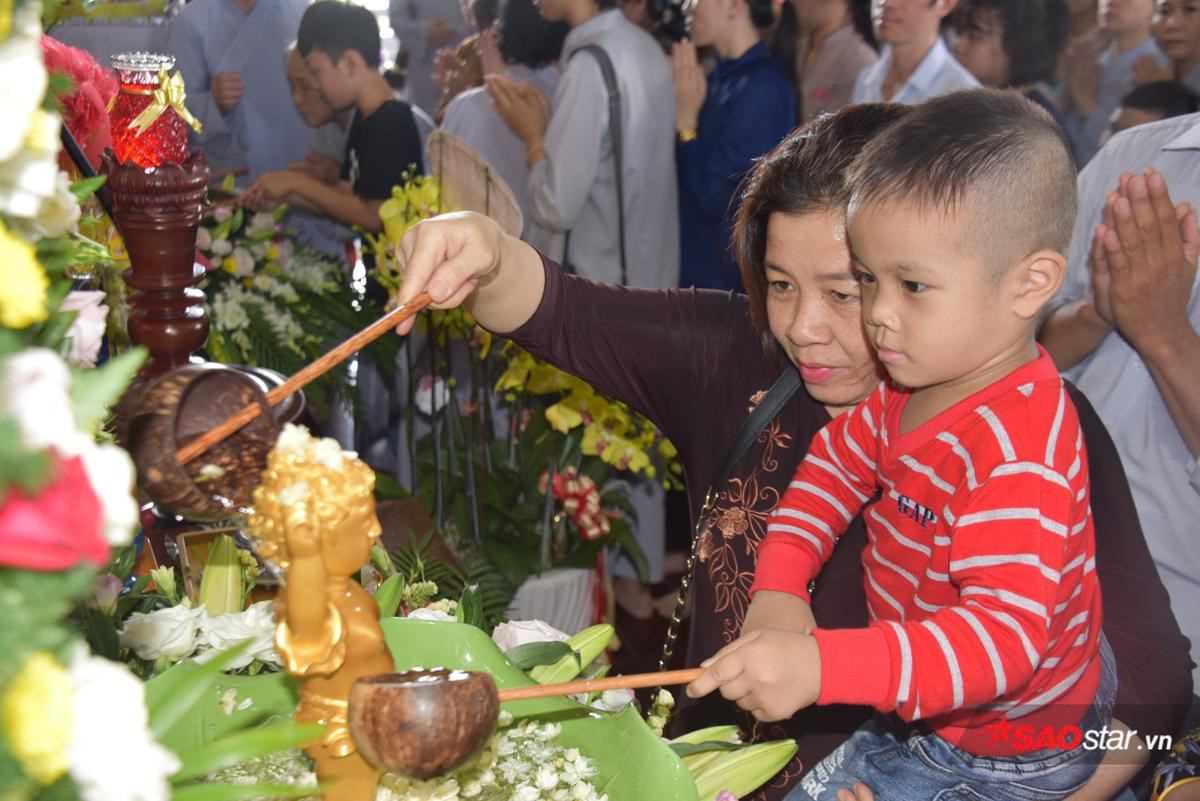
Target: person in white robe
pixel 230 53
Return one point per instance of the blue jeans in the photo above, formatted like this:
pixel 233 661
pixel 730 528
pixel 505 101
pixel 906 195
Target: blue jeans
pixel 907 762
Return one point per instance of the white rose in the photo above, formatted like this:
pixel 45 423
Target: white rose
pixel 28 179
pixel 87 331
pixel 244 261
pixel 431 614
pixel 222 213
pixel 112 755
pixel 169 633
pixel 34 389
pixel 518 632
pixel 221 247
pixel 257 624
pixel 59 210
pixel 21 55
pixel 203 238
pixel 111 473
pixel 261 221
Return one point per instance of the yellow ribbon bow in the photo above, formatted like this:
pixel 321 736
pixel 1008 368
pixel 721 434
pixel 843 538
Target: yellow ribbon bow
pixel 169 94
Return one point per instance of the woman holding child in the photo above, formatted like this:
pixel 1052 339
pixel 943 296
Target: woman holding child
pixel 695 361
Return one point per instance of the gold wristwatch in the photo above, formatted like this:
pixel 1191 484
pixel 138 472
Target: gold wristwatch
pixel 686 135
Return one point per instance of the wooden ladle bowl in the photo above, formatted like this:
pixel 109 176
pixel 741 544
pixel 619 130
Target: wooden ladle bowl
pixel 423 723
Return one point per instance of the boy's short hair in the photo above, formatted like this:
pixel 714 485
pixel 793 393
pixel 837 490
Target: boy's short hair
pixel 990 155
pixel 1168 98
pixel 333 27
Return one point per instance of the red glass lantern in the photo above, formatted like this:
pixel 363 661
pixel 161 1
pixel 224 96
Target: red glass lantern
pixel 148 119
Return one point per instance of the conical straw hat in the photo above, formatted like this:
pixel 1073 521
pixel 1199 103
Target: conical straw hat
pixel 470 183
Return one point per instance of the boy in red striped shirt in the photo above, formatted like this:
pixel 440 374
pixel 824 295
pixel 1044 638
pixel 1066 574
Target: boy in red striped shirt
pixel 984 652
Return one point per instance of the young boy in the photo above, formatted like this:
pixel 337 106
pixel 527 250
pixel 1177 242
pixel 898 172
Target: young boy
pixel 340 44
pixel 979 572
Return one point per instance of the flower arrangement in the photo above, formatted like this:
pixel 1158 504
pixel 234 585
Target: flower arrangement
pixel 527 467
pixel 551 749
pixel 73 724
pixel 276 304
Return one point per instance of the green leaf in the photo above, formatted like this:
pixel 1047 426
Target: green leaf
pixel 532 654
pixel 85 188
pixel 470 607
pixel 271 696
pixel 165 712
pixel 687 749
pixel 388 595
pixel 93 391
pixel 632 762
pixel 102 634
pixel 28 470
pixel 388 488
pixel 241 747
pixel 235 792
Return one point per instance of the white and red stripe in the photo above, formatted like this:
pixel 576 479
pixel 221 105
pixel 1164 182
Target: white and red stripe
pixel 980 562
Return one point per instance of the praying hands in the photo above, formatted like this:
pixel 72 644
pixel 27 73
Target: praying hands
pixel 524 109
pixel 1143 262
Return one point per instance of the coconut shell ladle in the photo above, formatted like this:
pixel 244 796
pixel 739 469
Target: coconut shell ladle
pixel 425 723
pixel 303 377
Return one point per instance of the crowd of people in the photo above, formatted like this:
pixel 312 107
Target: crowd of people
pixel 934 210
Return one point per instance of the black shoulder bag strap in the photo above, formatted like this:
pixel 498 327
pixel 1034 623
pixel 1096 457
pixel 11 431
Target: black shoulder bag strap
pixel 762 414
pixel 614 132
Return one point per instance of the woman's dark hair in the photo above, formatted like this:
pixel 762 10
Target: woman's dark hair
pixel 860 15
pixel 762 13
pixel 525 37
pixel 781 41
pixel 1035 33
pixel 1168 98
pixel 804 174
pixel 485 13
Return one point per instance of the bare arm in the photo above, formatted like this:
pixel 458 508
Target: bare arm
pixel 1117 769
pixel 1072 332
pixel 464 258
pixel 304 191
pixel 306 610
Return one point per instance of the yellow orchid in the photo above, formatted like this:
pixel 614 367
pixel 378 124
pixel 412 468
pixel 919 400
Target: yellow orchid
pixel 545 379
pixel 517 373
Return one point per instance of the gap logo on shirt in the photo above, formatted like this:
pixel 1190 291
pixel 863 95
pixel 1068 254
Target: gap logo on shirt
pixel 911 508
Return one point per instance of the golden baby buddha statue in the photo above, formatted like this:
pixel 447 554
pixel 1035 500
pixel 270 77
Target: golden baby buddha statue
pixel 314 517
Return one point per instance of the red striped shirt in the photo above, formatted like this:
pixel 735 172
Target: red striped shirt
pixel 980 564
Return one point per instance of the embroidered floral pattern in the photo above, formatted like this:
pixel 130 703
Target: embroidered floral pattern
pixel 740 516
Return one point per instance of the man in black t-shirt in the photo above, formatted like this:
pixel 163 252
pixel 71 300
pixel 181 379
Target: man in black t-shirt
pixel 340 44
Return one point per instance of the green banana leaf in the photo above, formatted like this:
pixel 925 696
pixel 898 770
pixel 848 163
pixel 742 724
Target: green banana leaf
pixel 271 696
pixel 633 762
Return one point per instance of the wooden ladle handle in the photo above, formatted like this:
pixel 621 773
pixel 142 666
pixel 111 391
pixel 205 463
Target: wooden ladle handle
pixel 630 682
pixel 304 376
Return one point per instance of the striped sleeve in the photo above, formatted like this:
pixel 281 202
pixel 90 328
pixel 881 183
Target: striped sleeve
pixel 833 482
pixel 1014 547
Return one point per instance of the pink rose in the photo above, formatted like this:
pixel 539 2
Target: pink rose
pixel 59 528
pixel 87 330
